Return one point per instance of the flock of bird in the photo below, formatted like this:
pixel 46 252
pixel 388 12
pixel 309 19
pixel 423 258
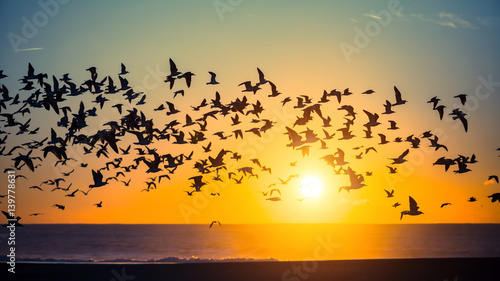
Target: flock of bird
pixel 132 141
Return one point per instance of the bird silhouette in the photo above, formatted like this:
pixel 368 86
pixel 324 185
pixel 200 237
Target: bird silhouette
pixel 389 193
pixel 213 222
pixel 413 209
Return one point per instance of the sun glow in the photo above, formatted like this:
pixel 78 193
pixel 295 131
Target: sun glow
pixel 311 187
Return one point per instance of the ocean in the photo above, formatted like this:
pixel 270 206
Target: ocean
pixel 283 242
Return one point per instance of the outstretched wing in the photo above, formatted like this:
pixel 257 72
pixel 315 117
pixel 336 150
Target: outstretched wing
pixel 404 154
pixel 397 93
pixel 413 205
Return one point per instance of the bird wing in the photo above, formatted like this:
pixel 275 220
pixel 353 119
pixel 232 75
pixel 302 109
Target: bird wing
pixel 413 205
pixel 404 154
pixel 397 93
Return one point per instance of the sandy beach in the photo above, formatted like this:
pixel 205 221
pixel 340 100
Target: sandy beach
pixel 384 269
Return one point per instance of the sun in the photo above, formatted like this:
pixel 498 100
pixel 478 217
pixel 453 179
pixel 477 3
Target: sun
pixel 311 186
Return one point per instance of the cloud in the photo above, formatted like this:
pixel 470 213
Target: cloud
pixel 489 21
pixel 372 16
pixel 445 19
pixel 29 49
pixel 488 182
pixel 360 202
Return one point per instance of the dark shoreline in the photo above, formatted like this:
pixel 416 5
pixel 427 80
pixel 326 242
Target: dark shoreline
pixel 438 269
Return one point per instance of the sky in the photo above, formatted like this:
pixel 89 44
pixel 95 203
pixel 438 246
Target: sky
pixel 424 48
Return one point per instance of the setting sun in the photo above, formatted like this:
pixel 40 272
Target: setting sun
pixel 311 186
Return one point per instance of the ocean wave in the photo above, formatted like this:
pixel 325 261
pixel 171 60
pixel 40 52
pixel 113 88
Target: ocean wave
pixel 129 260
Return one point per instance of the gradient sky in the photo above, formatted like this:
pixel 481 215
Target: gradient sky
pixel 426 49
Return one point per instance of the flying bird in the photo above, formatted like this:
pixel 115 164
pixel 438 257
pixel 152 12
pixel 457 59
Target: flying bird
pixel 399 100
pixel 213 223
pixel 389 193
pixel 413 209
pixel 212 79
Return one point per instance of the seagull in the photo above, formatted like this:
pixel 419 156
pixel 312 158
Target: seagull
pixel 462 97
pixel 458 114
pixel 413 209
pixel 123 70
pixel 188 76
pixel 445 204
pixel 401 157
pixel 393 125
pixel 62 207
pixel 440 109
pixel 355 179
pixel 213 223
pixel 212 79
pixel 495 197
pixel 388 107
pixel 98 205
pixel 434 102
pixel 97 177
pixel 262 80
pixel 396 205
pixel 472 199
pixel 389 193
pixel 493 177
pixel 392 169
pixel 399 100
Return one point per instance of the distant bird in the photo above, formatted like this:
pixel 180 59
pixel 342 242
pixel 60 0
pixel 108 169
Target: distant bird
pixel 36 214
pixel 72 194
pixel 399 100
pixel 413 209
pixel 389 193
pixel 495 197
pixel 462 97
pixel 440 109
pixel 212 79
pixel 392 169
pixel 445 204
pixel 401 157
pixel 98 179
pixel 383 139
pixel 98 205
pixel 173 68
pixel 356 181
pixel 388 108
pixel 123 70
pixel 35 187
pixel 396 205
pixel 458 114
pixel 262 80
pixel 61 207
pixel 493 177
pixel 472 199
pixel 393 125
pixel 187 76
pixel 434 102
pixel 213 224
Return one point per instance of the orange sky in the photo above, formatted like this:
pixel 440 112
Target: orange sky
pixel 422 57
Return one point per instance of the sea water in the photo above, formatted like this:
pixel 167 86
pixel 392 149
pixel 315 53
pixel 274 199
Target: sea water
pixel 199 243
